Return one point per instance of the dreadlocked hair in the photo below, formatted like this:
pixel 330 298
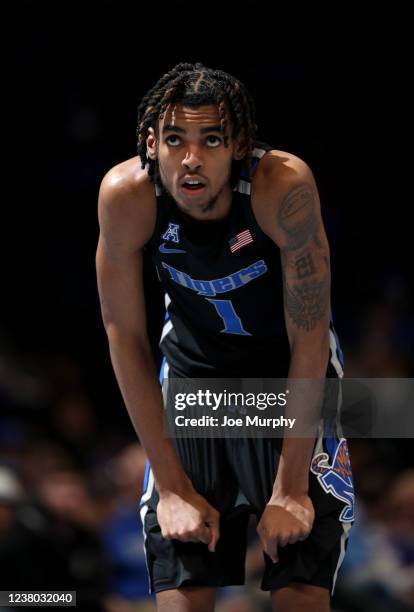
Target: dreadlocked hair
pixel 195 85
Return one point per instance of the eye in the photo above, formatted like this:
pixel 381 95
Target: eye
pixel 173 140
pixel 213 141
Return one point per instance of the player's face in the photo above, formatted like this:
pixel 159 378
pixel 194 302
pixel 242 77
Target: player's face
pixel 194 164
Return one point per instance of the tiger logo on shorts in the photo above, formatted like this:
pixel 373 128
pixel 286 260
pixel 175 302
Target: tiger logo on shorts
pixel 336 478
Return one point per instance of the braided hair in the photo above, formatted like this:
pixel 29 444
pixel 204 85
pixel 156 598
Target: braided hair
pixel 195 85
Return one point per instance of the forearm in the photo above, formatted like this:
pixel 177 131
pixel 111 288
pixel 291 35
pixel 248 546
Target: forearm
pixel 306 378
pixel 137 378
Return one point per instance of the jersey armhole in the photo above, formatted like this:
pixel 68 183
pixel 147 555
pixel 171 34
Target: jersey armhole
pixel 160 209
pixel 244 187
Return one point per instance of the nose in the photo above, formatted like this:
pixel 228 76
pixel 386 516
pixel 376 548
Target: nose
pixel 192 160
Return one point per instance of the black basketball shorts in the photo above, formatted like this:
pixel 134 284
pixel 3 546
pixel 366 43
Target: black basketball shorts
pixel 236 477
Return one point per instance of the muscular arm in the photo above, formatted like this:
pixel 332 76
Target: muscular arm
pixel 125 225
pixel 126 219
pixel 289 212
pixel 306 278
pixel 288 209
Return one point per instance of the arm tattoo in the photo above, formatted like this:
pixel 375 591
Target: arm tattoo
pixel 304 265
pixel 296 216
pixel 306 302
pixel 306 284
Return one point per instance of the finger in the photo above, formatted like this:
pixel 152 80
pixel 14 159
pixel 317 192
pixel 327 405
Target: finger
pixel 284 540
pixel 304 528
pixel 303 535
pixel 271 549
pixel 201 533
pixel 166 534
pixel 214 532
pixel 274 556
pixel 207 535
pixel 293 538
pixel 196 537
pixel 184 537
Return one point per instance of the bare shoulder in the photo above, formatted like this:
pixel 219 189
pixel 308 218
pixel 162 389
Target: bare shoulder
pixel 283 186
pixel 127 204
pixel 277 169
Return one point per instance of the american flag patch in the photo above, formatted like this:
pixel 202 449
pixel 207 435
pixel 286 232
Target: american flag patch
pixel 240 240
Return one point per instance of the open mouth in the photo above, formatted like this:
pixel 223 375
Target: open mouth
pixel 192 187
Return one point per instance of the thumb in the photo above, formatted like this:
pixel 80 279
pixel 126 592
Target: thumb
pixel 275 557
pixel 214 525
pixel 270 547
pixel 204 534
pixel 272 551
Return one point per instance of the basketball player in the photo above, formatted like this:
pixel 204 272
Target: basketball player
pixel 235 232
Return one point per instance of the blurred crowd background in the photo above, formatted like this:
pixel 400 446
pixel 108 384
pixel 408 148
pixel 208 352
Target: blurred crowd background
pixel 71 469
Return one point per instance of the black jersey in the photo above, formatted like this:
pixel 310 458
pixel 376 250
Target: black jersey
pixel 224 292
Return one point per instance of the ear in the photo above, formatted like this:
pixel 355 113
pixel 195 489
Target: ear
pixel 240 148
pixel 151 144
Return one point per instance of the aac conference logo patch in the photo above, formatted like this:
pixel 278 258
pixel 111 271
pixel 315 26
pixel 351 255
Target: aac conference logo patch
pixel 171 233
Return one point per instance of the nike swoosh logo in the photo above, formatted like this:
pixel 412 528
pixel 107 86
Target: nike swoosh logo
pixel 162 249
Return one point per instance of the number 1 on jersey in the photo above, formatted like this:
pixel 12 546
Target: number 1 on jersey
pixel 232 323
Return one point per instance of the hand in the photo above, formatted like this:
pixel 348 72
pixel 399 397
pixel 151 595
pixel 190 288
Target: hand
pixel 188 517
pixel 286 519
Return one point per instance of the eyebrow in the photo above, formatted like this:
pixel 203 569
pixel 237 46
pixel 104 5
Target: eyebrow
pixel 175 128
